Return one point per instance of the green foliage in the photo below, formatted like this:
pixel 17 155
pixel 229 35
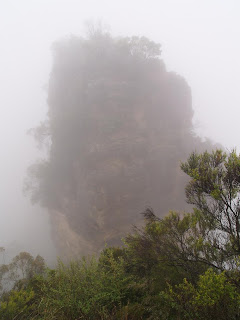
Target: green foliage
pixel 183 266
pixel 214 297
pixel 86 289
pixel 214 189
pixel 18 305
pixel 20 271
pixel 20 294
pixel 118 284
pixel 173 246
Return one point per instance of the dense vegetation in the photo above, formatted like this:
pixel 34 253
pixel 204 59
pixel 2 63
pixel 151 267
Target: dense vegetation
pixel 183 266
pixel 118 125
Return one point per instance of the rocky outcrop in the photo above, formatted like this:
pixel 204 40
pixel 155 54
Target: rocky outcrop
pixel 119 125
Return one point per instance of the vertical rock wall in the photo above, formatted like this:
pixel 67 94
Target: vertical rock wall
pixel 119 125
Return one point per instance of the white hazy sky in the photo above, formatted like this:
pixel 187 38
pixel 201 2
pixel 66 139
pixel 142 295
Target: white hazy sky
pixel 200 41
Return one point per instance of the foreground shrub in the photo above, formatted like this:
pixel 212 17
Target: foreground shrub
pixel 84 290
pixel 17 305
pixel 214 297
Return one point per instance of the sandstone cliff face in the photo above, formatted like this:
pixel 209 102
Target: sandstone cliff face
pixel 119 125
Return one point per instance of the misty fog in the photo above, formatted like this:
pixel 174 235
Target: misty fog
pixel 199 41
